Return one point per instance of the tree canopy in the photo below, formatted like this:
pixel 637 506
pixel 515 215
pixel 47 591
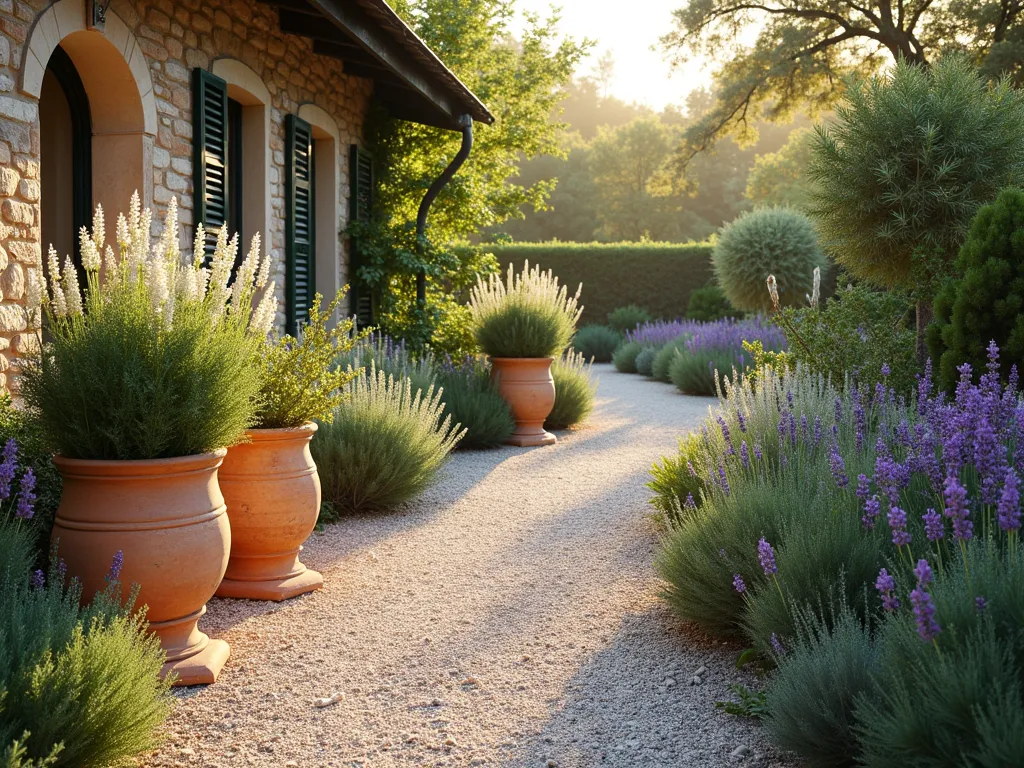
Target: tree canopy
pixel 805 48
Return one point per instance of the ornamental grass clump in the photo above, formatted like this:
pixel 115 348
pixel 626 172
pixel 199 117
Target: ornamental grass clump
pixel 302 379
pixel 575 390
pixel 385 444
pixel 79 682
pixel 471 399
pixel 155 359
pixel 528 316
pixel 597 342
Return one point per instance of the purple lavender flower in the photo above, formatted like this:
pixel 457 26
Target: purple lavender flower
pixel 837 466
pixel 62 570
pixel 980 603
pixel 8 468
pixel 792 428
pixel 956 509
pixel 782 430
pixel 38 579
pixel 738 584
pixel 789 398
pixel 886 370
pixel 888 475
pixel 924 608
pixel 115 566
pixel 757 452
pixel 689 504
pixel 863 486
pixel 725 429
pixel 872 509
pixel 723 481
pixel 1009 503
pixel 26 496
pixel 766 556
pixel 744 455
pixel 777 646
pixel 989 460
pixel 898 525
pixel 934 528
pixel 886 586
pixel 741 420
pixel 839 411
pixel 860 423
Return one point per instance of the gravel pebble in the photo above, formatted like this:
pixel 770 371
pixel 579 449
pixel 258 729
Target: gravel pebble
pixel 509 617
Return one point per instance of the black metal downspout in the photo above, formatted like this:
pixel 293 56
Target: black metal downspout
pixel 465 123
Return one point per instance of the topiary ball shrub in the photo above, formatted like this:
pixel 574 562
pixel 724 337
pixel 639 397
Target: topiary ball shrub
pixel 628 318
pixel 472 400
pixel 645 360
pixel 986 303
pixel 767 241
pixel 709 303
pixel 625 356
pixel 384 446
pixel 575 389
pixel 597 342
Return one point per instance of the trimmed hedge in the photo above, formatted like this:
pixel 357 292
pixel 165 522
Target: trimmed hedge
pixel 656 276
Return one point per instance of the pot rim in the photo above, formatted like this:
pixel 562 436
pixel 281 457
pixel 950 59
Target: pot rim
pixel 281 433
pixel 107 467
pixel 520 359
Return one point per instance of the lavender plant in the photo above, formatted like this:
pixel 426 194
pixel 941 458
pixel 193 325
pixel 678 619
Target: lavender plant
pixel 79 681
pixel 716 350
pixel 472 400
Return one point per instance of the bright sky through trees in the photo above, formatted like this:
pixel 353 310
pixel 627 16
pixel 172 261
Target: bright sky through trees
pixel 630 32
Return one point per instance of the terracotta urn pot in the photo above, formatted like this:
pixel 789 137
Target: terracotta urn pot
pixel 167 517
pixel 272 490
pixel 527 386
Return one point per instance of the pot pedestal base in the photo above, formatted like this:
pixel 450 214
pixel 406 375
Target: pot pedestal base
pixel 201 668
pixel 274 589
pixel 532 440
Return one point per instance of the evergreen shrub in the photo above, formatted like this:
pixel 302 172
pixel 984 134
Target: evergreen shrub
pixel 597 342
pixel 575 390
pixel 627 318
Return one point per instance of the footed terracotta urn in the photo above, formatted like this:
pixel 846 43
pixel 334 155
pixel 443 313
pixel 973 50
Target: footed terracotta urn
pixel 527 386
pixel 272 490
pixel 167 518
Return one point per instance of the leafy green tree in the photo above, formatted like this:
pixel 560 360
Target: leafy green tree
pixel 911 157
pixel 986 303
pixel 521 81
pixel 805 48
pixel 778 178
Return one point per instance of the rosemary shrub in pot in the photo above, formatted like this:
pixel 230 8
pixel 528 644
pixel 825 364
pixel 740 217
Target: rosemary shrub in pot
pixel 144 381
pixel 523 323
pixel 270 483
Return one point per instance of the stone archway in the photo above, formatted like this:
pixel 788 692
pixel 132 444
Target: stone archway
pixel 117 82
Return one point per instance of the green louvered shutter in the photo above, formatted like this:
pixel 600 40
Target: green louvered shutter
pixel 360 209
pixel 299 227
pixel 210 147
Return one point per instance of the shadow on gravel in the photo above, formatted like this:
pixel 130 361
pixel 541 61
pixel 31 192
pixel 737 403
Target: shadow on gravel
pixel 631 705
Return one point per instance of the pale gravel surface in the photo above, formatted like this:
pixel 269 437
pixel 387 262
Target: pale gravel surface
pixel 509 618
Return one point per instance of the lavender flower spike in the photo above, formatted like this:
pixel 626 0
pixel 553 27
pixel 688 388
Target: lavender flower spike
pixel 924 607
pixel 1009 503
pixel 38 580
pixel 898 525
pixel 956 509
pixel 886 585
pixel 766 556
pixel 26 496
pixel 115 566
pixel 934 529
pixel 777 646
pixel 738 584
pixel 837 466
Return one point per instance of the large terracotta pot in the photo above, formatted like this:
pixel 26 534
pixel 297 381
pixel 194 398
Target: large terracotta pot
pixel 527 386
pixel 272 491
pixel 168 518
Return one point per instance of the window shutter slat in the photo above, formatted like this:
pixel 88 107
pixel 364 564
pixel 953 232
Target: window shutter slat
pixel 210 147
pixel 299 229
pixel 361 174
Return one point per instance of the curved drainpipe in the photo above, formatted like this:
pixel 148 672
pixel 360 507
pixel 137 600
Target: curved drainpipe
pixel 465 123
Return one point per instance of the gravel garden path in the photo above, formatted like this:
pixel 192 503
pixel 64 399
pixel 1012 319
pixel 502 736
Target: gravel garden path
pixel 509 617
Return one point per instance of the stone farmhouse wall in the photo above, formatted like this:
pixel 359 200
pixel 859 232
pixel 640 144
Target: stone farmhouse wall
pixel 145 140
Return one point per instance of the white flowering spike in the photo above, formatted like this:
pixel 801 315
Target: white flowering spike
pixel 72 291
pixel 134 211
pixel 266 311
pixel 158 290
pixel 90 255
pixel 170 246
pixel 99 230
pixel 816 289
pixel 109 263
pixel 773 290
pixel 57 300
pixel 199 245
pixel 122 235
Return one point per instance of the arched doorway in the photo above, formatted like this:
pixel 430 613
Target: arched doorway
pixel 97 120
pixel 65 146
